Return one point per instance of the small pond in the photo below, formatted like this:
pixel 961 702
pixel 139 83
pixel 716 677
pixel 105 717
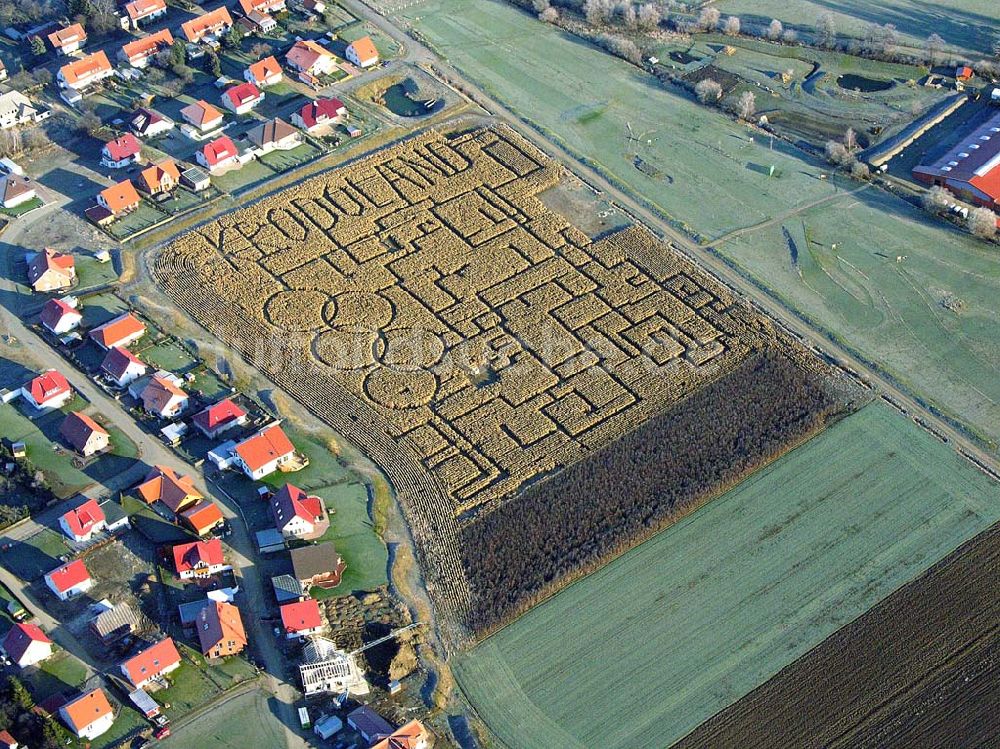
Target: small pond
pixel 401 100
pixel 860 83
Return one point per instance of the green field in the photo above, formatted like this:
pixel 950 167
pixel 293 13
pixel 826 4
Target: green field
pixel 967 24
pixel 242 721
pixel 586 100
pixel 642 651
pixel 896 322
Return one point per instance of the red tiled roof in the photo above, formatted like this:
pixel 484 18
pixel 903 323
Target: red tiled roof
pixel 120 197
pixel 264 69
pixel 47 386
pixel 48 259
pixel 138 9
pixel 115 331
pixel 148 45
pixel 68 35
pixel 20 637
pixel 200 113
pixel 85 67
pixel 320 110
pixel 220 622
pixel 290 502
pixel 304 54
pixel 87 709
pixel 206 23
pixel 243 93
pixel 219 150
pixel 69 575
pixel 118 360
pixel 55 310
pixel 202 516
pixel 159 392
pixel 364 48
pixel 166 485
pixel 7 741
pixel 152 177
pixel 152 661
pixel 218 414
pixel 409 736
pixel 265 446
pixel 188 556
pixel 262 6
pixel 76 429
pixel 302 615
pixel 84 517
pixel 123 147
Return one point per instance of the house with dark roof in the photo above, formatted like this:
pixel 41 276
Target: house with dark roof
pixel 372 726
pixel 60 316
pixel 50 270
pixel 164 484
pixel 122 367
pixel 152 663
pixel 298 515
pixel 220 630
pixel 84 434
pixel 148 123
pixel 15 190
pixel 219 417
pixel 163 398
pixel 26 645
pixel 273 135
pixel 318 565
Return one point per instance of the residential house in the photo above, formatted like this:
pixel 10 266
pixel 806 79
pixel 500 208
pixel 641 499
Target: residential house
pixel 220 630
pixel 163 398
pixel 202 517
pixel 68 40
pixel 84 434
pixel 49 270
pixel 81 523
pixel 298 515
pixel 119 199
pixel 121 151
pixel 141 51
pixel 218 155
pixel 18 109
pixel 69 580
pixel 414 735
pixel 202 116
pixel 85 72
pixel 309 58
pixel 15 190
pixel 262 454
pixel 89 715
pixel 964 73
pixel 273 135
pixel 195 179
pixel 199 559
pixel 48 390
pixel 26 645
pixel 122 366
pixel 362 52
pixel 148 123
pixel 256 22
pixel 208 25
pixel 121 331
pixel 301 619
pixel 140 11
pixel 241 98
pixel 219 418
pixel 320 114
pixel 318 565
pixel 262 6
pixel 372 726
pixel 262 73
pixel 160 178
pixel 317 7
pixel 115 623
pixel 156 661
pixel 60 316
pixel 164 484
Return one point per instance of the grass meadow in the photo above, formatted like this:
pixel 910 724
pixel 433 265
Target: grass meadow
pixel 703 173
pixel 685 624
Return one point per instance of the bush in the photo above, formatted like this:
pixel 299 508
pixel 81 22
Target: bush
pixel 936 200
pixel 708 91
pixel 983 223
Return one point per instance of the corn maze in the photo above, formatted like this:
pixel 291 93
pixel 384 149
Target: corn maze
pixel 427 305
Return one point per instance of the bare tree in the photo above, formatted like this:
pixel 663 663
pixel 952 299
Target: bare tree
pixel 983 223
pixel 549 15
pixel 539 5
pixel 851 140
pixel 649 17
pixel 836 153
pixel 260 50
pixel 790 36
pixel 597 12
pixel 626 15
pixel 859 170
pixel 890 40
pixel 936 199
pixel 708 91
pixel 826 30
pixel 732 26
pixel 934 47
pixel 774 30
pixel 709 18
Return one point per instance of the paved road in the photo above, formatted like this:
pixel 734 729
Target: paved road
pixel 418 53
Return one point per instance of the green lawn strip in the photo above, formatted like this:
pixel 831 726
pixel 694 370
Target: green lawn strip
pixel 189 687
pixel 92 273
pixel 721 601
pixel 60 673
pixel 40 436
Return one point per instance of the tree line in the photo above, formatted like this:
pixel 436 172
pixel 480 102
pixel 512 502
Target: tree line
pixel 575 521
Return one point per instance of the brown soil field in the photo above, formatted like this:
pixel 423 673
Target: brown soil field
pixel 427 305
pixel 921 669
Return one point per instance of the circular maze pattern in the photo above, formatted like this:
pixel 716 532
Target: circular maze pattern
pixel 409 349
pixel 296 311
pixel 358 311
pixel 345 349
pixel 400 390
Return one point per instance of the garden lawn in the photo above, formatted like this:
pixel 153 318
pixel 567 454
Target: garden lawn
pixel 62 477
pixel 685 624
pixel 93 273
pixel 238 723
